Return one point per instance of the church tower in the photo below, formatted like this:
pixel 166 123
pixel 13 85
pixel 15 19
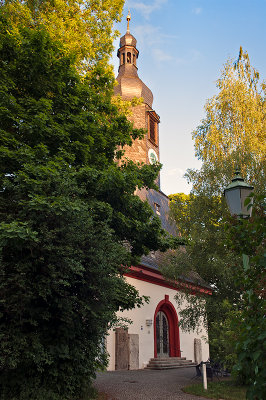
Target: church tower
pixel 154 334
pixel 129 86
pixel 145 150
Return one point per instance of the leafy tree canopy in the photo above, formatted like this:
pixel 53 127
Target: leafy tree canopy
pixel 84 27
pixel 70 222
pixel 198 218
pixel 247 237
pixel 232 135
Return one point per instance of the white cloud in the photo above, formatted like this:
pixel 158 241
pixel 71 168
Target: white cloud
pixel 147 33
pixel 146 9
pixel 197 10
pixel 161 55
pixel 151 34
pixel 154 37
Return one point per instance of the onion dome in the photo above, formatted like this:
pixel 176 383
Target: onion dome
pixel 128 40
pixel 129 83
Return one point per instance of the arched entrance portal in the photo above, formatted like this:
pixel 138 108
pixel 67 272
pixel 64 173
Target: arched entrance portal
pixel 166 330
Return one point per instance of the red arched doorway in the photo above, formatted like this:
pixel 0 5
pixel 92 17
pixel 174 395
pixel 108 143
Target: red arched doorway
pixel 166 330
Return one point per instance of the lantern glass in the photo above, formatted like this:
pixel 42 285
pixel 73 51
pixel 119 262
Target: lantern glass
pixel 236 194
pixel 235 199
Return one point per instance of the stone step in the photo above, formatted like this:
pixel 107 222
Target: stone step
pixel 173 366
pixel 168 358
pixel 170 363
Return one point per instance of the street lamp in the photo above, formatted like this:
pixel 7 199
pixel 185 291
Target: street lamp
pixel 235 195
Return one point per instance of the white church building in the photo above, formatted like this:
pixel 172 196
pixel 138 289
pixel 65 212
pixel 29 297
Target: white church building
pixel 154 338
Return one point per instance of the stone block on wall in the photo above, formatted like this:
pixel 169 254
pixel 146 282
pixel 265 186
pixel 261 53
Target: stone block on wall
pixel 121 349
pixel 133 351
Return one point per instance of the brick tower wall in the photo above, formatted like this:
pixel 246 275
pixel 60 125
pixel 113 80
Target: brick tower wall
pixel 138 152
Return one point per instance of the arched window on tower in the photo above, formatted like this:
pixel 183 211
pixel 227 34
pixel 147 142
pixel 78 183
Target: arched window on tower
pixel 129 57
pixel 123 58
pixel 134 59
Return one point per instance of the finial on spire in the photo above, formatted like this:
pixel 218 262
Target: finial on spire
pixel 128 19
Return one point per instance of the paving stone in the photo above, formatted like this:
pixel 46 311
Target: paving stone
pixel 146 384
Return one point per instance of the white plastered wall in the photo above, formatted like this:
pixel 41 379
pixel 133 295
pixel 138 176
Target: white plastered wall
pixel 138 317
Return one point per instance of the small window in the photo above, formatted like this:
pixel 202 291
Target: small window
pixel 152 130
pixel 129 57
pixel 134 59
pixel 123 58
pixel 157 208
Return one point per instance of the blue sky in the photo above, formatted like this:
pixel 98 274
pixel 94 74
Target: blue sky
pixel 183 46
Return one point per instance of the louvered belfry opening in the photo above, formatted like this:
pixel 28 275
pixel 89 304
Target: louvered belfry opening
pixel 152 130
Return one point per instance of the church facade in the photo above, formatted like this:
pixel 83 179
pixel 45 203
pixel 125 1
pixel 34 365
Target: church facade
pixel 154 338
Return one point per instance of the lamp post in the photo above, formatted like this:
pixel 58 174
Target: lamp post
pixel 235 195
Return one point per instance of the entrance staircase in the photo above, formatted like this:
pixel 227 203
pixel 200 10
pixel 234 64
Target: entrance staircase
pixel 170 363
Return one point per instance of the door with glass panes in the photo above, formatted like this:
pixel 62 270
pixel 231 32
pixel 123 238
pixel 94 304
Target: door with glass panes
pixel 162 335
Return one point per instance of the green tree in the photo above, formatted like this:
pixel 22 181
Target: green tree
pixel 70 222
pixel 207 261
pixel 85 27
pixel 247 238
pixel 210 258
pixel 232 135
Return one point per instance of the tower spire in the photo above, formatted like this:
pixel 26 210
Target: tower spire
pixel 128 19
pixel 129 83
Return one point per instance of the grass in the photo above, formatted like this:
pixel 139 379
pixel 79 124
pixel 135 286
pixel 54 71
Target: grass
pixel 226 390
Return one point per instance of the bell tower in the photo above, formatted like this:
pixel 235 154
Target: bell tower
pixel 143 116
pixel 127 53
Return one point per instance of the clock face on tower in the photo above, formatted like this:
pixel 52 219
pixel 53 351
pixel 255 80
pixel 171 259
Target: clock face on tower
pixel 153 158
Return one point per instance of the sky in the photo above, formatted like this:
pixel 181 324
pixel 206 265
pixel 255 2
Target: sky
pixel 183 46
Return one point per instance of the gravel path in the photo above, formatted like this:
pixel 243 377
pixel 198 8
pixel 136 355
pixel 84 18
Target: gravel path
pixel 146 384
